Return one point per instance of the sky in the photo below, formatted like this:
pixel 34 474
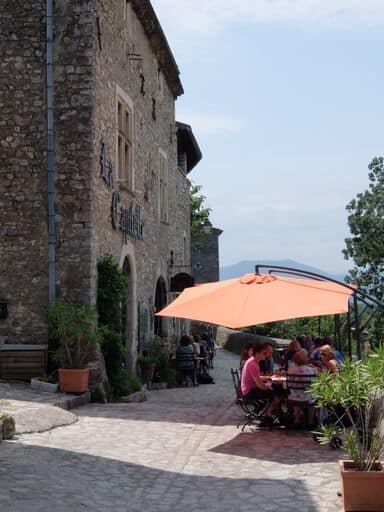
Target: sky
pixel 285 98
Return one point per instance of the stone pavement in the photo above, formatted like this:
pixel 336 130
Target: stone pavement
pixel 179 451
pixel 37 411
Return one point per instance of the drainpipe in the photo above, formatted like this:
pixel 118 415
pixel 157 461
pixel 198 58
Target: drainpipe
pixel 50 154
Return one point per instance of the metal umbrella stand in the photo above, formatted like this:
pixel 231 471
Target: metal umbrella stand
pixel 359 303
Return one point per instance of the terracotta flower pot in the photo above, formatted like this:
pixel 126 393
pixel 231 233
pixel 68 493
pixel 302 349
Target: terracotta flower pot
pixel 73 381
pixel 362 490
pixel 172 363
pixel 147 371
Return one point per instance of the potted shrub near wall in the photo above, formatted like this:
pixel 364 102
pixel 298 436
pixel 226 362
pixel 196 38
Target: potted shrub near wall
pixel 147 364
pixel 355 397
pixel 74 327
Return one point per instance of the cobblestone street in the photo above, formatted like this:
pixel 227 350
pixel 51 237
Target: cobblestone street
pixel 180 450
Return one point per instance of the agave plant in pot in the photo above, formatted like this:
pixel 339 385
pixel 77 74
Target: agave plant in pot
pixel 74 329
pixel 354 397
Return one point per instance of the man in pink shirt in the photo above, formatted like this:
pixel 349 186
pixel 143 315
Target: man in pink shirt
pixel 253 387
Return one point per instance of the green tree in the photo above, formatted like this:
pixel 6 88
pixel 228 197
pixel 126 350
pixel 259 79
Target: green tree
pixel 365 246
pixel 288 329
pixel 199 214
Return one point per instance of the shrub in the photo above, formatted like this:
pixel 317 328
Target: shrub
pixel 111 291
pixel 113 351
pixel 146 359
pixel 355 392
pixel 73 327
pixel 173 378
pixel 97 396
pixel 126 383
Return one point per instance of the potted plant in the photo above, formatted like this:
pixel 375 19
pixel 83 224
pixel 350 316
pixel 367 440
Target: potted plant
pixel 355 398
pixel 147 364
pixel 74 328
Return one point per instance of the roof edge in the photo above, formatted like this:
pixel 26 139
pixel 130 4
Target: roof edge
pixel 194 153
pixel 159 44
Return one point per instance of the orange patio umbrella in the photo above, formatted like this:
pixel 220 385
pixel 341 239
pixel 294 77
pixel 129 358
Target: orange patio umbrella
pixel 258 298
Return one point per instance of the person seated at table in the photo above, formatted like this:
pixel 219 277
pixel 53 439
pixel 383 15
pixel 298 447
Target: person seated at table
pixel 245 354
pixel 315 354
pixel 298 386
pixel 328 360
pixel 287 357
pixel 196 345
pixel 253 387
pixel 266 365
pixel 203 355
pixel 308 344
pixel 210 344
pixel 327 340
pixel 185 361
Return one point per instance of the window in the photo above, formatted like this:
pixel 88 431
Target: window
pixel 124 143
pixel 163 193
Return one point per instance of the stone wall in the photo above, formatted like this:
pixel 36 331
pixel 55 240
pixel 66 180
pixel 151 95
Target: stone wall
pixel 94 58
pixel 74 91
pixel 205 257
pixel 23 214
pixel 119 66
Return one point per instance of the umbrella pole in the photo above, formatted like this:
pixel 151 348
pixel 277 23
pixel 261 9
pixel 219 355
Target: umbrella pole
pixel 349 334
pixel 337 332
pixel 357 326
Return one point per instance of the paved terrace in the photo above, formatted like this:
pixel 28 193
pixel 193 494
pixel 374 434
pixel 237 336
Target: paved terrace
pixel 180 450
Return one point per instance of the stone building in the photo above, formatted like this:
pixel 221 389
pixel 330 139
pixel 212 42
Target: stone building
pixel 119 158
pixel 205 256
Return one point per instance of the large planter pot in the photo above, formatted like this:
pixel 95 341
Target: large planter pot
pixel 147 371
pixel 362 490
pixel 172 363
pixel 73 381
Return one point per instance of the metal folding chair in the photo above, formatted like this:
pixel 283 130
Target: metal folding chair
pixel 251 408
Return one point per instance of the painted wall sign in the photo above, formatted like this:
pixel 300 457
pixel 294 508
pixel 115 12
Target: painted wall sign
pixel 127 220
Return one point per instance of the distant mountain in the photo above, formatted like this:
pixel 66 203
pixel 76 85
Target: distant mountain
pixel 245 267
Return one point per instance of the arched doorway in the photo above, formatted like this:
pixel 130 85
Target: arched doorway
pixel 127 314
pixel 160 302
pixel 181 281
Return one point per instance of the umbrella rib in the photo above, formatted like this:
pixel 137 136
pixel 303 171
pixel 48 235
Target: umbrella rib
pixel 307 284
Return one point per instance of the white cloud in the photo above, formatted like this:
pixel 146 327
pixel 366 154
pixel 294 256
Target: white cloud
pixel 210 16
pixel 204 123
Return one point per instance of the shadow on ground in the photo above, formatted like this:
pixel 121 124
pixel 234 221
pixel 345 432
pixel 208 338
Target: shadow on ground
pixel 278 446
pixel 150 411
pixel 36 478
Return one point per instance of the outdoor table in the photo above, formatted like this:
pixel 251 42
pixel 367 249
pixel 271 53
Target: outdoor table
pixel 277 380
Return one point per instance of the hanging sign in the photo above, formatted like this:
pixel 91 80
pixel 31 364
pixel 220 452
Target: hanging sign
pixel 127 220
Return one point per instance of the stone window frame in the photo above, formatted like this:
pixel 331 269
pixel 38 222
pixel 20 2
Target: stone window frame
pixel 124 140
pixel 163 186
